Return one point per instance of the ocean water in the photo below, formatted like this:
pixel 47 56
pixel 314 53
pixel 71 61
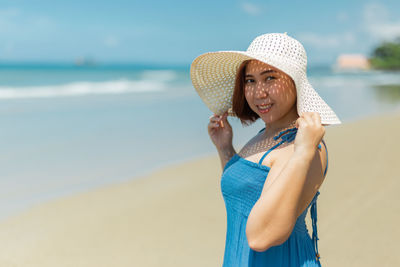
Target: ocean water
pixel 68 129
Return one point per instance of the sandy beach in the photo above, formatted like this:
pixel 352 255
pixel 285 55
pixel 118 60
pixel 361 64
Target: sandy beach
pixel 176 215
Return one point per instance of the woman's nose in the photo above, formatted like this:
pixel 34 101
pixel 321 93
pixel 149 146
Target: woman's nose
pixel 261 91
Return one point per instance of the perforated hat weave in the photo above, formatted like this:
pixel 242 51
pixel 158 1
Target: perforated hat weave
pixel 213 74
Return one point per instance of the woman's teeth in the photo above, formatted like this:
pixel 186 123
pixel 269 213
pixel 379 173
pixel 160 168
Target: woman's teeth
pixel 265 108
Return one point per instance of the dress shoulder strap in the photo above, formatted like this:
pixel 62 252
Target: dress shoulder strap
pixel 286 136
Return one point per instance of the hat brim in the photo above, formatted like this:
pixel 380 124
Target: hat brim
pixel 213 75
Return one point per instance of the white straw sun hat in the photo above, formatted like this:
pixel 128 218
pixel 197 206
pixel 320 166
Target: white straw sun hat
pixel 213 74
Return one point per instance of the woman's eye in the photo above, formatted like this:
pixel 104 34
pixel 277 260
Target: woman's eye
pixel 267 79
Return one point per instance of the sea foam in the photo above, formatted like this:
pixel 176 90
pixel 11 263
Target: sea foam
pixel 82 88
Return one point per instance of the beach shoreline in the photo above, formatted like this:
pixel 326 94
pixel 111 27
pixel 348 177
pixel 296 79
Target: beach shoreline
pixel 175 215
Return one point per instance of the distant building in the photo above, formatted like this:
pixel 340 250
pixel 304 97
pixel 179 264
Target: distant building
pixel 346 62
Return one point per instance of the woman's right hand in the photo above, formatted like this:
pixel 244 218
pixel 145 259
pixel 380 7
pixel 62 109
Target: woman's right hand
pixel 220 131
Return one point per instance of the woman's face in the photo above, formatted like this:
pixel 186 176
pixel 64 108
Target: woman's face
pixel 269 92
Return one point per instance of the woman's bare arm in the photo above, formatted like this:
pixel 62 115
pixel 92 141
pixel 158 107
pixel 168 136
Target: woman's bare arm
pixel 295 182
pixel 225 155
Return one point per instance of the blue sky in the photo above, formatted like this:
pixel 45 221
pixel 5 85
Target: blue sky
pixel 175 31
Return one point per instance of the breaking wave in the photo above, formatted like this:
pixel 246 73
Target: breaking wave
pixel 82 88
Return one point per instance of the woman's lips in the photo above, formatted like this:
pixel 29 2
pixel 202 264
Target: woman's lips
pixel 264 110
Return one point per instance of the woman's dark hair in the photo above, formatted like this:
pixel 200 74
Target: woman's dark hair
pixel 239 103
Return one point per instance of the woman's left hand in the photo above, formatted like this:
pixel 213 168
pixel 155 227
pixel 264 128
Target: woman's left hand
pixel 309 133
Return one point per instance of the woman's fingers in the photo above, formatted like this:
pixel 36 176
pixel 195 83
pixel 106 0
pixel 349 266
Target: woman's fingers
pixel 317 117
pixel 215 118
pixel 313 117
pixel 214 123
pixel 313 120
pixel 224 118
pixel 308 118
pixel 219 119
pixel 300 122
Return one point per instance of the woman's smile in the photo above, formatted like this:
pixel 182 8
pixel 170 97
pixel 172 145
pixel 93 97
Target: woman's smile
pixel 264 108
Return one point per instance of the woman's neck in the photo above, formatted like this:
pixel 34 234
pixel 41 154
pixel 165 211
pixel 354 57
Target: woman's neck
pixel 288 121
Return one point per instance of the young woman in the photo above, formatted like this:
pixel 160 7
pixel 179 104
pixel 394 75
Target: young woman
pixel 270 184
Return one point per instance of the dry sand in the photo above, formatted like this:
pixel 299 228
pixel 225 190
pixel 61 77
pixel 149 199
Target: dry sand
pixel 176 216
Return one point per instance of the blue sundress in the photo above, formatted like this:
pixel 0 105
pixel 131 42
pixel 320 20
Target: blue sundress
pixel 242 182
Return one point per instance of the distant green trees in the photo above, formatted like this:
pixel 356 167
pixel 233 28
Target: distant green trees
pixel 386 56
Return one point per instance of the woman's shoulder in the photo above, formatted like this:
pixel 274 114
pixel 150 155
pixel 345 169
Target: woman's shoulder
pixel 285 152
pixel 252 144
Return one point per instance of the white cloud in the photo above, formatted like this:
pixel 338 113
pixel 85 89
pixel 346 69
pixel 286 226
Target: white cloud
pixel 378 22
pixel 251 8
